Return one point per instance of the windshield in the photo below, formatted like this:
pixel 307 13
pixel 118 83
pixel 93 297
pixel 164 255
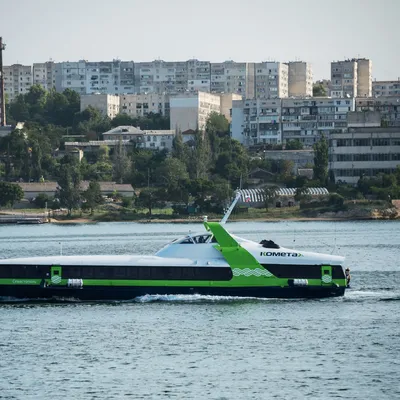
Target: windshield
pixel 196 239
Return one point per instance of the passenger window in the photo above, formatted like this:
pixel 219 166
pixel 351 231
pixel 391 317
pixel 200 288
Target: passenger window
pixel 119 272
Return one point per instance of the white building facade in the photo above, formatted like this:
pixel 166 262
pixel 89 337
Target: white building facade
pixel 107 104
pixel 300 80
pixel 308 119
pixel 190 112
pixel 351 78
pixel 17 80
pixel 271 80
pixel 274 121
pixel 257 122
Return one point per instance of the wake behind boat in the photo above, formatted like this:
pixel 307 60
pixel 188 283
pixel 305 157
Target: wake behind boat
pixel 211 263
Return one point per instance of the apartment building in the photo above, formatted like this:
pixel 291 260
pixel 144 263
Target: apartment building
pixel 271 80
pixel 351 78
pixel 388 107
pixel 199 75
pixel 17 80
pixel 139 105
pixel 44 74
pixel 71 75
pixel 105 77
pixel 386 88
pixel 172 77
pixel 300 79
pixel 364 77
pixel 256 121
pixel 160 77
pixel 190 111
pixel 251 80
pixel 309 119
pixel 275 121
pixel 109 77
pixel 344 78
pixel 367 149
pixel 229 77
pixel 107 104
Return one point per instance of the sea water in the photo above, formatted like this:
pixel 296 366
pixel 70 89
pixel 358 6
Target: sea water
pixel 207 347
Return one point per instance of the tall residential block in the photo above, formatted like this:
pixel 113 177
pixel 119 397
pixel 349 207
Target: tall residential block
pixel 364 77
pixel 17 80
pixel 271 80
pixel 229 77
pixel 344 78
pixel 44 74
pixel 71 75
pixel 300 79
pixel 351 78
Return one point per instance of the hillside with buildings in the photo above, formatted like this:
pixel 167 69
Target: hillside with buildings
pixel 153 123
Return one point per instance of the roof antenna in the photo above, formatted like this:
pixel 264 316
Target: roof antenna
pixel 61 249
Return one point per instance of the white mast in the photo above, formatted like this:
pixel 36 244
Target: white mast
pixel 231 207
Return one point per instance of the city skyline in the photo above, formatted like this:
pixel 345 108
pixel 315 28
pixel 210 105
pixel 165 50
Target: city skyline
pixel 261 31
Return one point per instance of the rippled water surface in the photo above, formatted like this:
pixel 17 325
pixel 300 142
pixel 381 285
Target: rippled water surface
pixel 193 347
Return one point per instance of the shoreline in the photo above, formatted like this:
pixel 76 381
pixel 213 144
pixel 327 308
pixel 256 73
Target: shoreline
pixel 186 221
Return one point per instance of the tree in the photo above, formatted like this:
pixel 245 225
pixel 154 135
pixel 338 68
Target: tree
pixel 270 195
pixel 285 168
pixel 41 199
pixel 319 90
pixel 321 157
pixel 302 194
pixel 122 120
pixel 151 198
pixel 121 163
pixel 10 193
pixel 295 144
pixel 200 157
pixel 217 127
pixel 179 149
pixel 93 196
pixel 217 123
pixel 69 181
pixel 172 173
pixel 103 153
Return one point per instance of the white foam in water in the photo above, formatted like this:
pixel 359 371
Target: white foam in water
pixel 194 298
pixel 369 294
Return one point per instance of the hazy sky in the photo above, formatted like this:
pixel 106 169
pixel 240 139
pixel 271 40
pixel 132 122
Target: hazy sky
pixel 317 31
